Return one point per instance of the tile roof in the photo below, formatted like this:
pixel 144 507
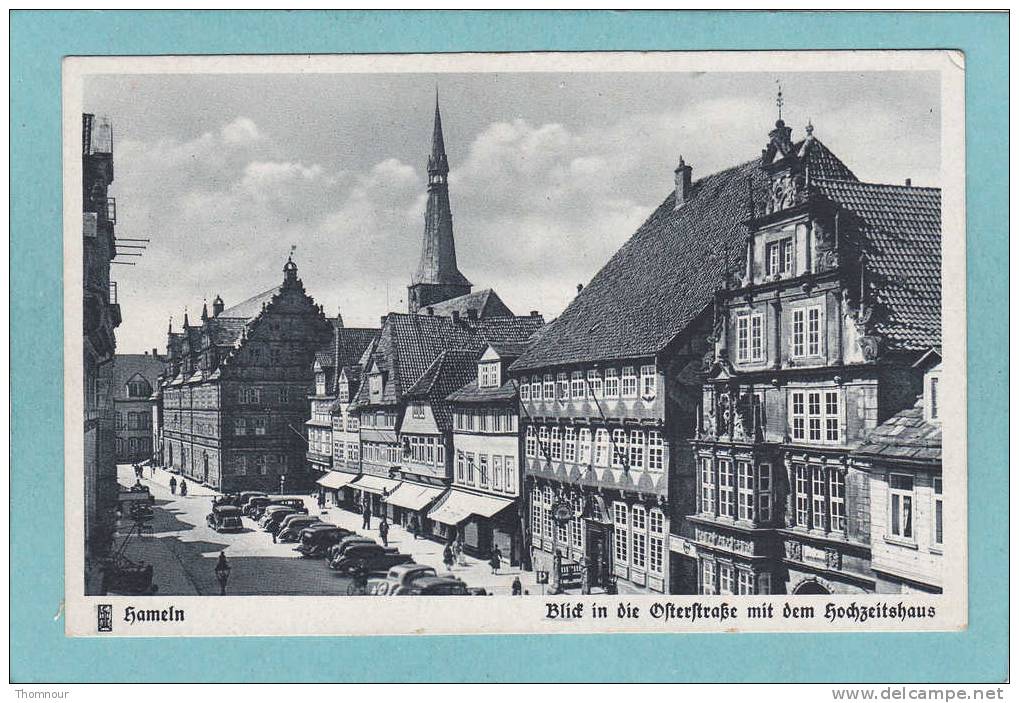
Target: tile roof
pixel 250 307
pixel 352 342
pixel 409 344
pixel 666 274
pixel 485 303
pixel 905 436
pixel 127 366
pixel 451 369
pixel 470 393
pixel 225 331
pixel 899 230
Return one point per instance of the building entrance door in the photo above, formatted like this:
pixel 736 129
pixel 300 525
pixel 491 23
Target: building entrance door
pixel 596 564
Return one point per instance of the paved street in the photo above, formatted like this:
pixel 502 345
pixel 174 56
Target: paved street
pixel 183 550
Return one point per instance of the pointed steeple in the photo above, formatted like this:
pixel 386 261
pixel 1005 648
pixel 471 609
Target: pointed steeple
pixel 205 311
pixel 169 327
pixel 186 325
pixel 437 277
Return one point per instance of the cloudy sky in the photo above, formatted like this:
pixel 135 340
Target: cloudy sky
pixel 550 173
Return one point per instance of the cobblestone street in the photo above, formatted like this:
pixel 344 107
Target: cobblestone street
pixel 183 550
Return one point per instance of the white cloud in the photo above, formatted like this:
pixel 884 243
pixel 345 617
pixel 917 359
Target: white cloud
pixel 241 130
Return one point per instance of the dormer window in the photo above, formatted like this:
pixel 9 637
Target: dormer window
pixel 933 404
pixel 344 392
pixel 375 386
pixel 779 255
pixel 320 383
pixel 488 375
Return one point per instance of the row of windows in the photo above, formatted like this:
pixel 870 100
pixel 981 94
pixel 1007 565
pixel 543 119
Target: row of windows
pixel 381 453
pixel 725 578
pixel 378 419
pixel 261 464
pixel 746 494
pixel 488 375
pixel 320 441
pixel 352 424
pixel 596 384
pixel 250 425
pixel 134 446
pixel 820 497
pixel 542 525
pixel 256 396
pixel 636 449
pixel 638 537
pixel 350 450
pixel 495 472
pixel 425 450
pixel 488 420
pixel 135 421
pixel 807 324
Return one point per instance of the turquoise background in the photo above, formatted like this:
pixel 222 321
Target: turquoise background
pixel 41 653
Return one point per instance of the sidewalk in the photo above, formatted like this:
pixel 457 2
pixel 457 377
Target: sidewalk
pixel 162 477
pixel 477 572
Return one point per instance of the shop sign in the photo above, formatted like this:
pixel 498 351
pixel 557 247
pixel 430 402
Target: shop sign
pixel 562 513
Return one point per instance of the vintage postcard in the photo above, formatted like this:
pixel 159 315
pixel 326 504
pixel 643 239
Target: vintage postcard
pixel 515 343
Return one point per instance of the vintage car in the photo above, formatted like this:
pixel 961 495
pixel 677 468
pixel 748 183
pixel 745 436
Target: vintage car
pixel 225 518
pixel 238 500
pixel 254 506
pixel 274 514
pixel 360 558
pixel 398 579
pixel 337 549
pixel 290 527
pixel 315 541
pixel 291 501
pixel 136 502
pixel 438 586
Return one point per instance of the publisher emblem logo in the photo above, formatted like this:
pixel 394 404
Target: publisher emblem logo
pixel 104 617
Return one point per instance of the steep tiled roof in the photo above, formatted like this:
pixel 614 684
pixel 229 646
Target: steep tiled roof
pixel 225 331
pixel 250 307
pixel 450 370
pixel 127 366
pixel 659 281
pixel 899 230
pixel 352 343
pixel 409 344
pixel 905 436
pixel 485 303
pixel 470 393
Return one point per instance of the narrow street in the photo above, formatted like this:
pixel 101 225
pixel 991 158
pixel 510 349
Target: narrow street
pixel 183 550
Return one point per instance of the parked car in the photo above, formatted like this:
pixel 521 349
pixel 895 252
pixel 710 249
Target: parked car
pixel 274 514
pixel 314 542
pixel 237 499
pixel 337 549
pixel 291 526
pixel 225 518
pixel 368 557
pixel 399 578
pixel 254 506
pixel 439 586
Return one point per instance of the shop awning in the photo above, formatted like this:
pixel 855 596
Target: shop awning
pixel 459 505
pixel 336 479
pixel 375 484
pixel 414 496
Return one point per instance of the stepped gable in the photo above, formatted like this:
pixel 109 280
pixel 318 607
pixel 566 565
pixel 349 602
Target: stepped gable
pixel 898 231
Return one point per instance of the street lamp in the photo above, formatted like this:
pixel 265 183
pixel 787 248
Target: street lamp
pixel 283 479
pixel 222 573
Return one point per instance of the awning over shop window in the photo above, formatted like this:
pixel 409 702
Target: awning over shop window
pixel 459 505
pixel 375 484
pixel 336 479
pixel 414 496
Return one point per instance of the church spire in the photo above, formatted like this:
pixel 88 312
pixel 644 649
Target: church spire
pixel 437 277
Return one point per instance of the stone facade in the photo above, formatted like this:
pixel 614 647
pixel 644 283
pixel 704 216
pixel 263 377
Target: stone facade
pixel 237 399
pixel 136 376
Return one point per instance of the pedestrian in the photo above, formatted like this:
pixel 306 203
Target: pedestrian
pixel 183 488
pixel 458 550
pixel 495 561
pixel 517 586
pixel 152 470
pixel 384 531
pixel 412 525
pixel 274 533
pixel 366 516
pixel 321 499
pixel 447 557
pixel 173 485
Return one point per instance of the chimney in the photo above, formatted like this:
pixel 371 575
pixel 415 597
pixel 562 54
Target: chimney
pixel 684 179
pixel 431 311
pixel 909 182
pixel 472 314
pixel 456 317
pixel 580 287
pixel 154 352
pixel 382 320
pixel 534 313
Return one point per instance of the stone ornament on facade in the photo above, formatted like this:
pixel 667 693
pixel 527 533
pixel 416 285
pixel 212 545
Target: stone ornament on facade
pixel 793 550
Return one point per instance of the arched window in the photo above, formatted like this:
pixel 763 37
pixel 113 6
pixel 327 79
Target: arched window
pixel 138 387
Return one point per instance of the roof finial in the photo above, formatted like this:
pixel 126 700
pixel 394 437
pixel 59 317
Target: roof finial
pixel 779 100
pixel 169 328
pixel 810 128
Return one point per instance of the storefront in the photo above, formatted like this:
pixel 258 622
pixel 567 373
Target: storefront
pixel 333 483
pixel 375 490
pixel 410 499
pixel 482 521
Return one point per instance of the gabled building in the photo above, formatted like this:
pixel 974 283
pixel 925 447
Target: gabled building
pixel 135 376
pixel 816 333
pixel 902 460
pixel 484 500
pixel 235 396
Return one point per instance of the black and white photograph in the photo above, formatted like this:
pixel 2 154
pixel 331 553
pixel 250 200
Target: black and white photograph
pixel 571 335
